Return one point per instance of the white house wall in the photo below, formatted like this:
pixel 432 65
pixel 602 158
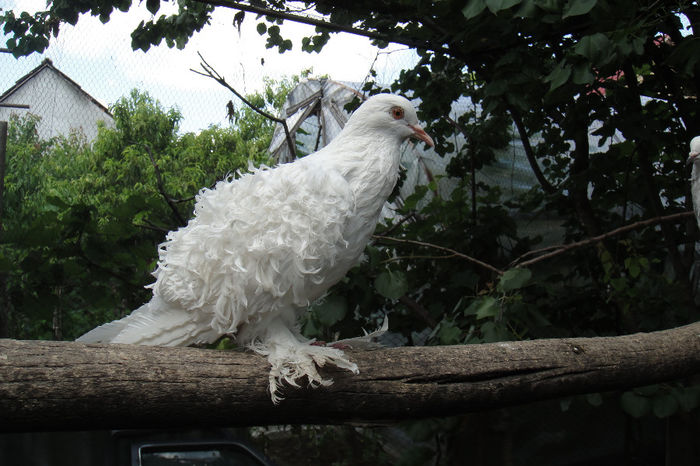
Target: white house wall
pixel 61 105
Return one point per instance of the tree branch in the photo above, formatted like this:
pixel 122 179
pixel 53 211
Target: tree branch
pixel 441 248
pixel 148 225
pixel 68 386
pixel 562 248
pixel 210 72
pixel 546 253
pixel 330 26
pixel 529 153
pixel 161 189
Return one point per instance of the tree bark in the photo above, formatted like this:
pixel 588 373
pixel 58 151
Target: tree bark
pixel 48 385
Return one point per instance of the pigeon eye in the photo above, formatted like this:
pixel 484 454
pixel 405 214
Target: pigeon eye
pixel 397 113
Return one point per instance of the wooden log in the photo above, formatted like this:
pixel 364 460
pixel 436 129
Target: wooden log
pixel 48 385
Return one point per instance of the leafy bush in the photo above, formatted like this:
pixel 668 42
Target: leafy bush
pixel 83 221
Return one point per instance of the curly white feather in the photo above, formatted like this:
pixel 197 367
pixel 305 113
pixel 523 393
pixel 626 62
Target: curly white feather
pixel 694 158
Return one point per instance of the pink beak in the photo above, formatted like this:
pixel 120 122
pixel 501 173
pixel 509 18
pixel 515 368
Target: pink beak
pixel 420 133
pixel 691 157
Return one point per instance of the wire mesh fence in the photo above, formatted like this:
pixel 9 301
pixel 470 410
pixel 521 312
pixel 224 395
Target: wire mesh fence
pixel 99 59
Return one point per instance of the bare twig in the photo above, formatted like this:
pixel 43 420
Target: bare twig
pixel 161 188
pixel 148 225
pixel 401 258
pixel 6 105
pixel 392 228
pixel 210 72
pixel 440 248
pixel 562 248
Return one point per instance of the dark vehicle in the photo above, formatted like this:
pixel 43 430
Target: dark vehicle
pixel 221 447
pixel 157 448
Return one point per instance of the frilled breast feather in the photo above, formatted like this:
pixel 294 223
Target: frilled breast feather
pixel 266 240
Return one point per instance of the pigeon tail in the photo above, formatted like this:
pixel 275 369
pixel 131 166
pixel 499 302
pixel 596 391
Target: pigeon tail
pixel 291 359
pixel 369 341
pixel 155 323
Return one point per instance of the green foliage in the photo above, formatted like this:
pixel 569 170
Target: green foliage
pixel 513 279
pixel 82 222
pixel 318 444
pixel 391 284
pixel 660 401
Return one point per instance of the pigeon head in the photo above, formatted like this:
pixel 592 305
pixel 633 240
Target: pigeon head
pixel 391 114
pixel 694 150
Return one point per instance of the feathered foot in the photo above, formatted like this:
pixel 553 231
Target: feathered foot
pixel 291 357
pixel 289 363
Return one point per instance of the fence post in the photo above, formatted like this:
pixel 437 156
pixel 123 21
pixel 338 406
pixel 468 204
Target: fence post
pixel 4 314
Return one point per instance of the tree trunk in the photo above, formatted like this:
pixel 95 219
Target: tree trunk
pixel 63 385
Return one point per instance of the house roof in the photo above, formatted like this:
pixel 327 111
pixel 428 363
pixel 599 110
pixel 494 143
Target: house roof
pixel 47 63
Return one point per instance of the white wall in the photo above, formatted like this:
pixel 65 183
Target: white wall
pixel 61 106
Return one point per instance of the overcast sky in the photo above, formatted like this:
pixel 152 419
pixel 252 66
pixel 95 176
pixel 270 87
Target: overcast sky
pixel 99 58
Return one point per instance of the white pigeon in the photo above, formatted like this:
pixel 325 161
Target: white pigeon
pixel 262 247
pixel 695 175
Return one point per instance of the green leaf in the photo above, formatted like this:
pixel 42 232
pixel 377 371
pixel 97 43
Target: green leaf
pixel 238 20
pixel 5 264
pixel 261 28
pixel 331 310
pixel 285 45
pixel 578 7
pixel 449 333
pixel 688 398
pixel 595 47
pixel 498 5
pixel 413 199
pixel 513 279
pixel 473 8
pixel 632 266
pixel 226 343
pixel 488 307
pixel 310 329
pixel 685 55
pixel 481 307
pixel 582 74
pixel 559 75
pixel 635 405
pixel 492 331
pixel 565 404
pixel 550 6
pixel 153 6
pixel 594 399
pixel 374 255
pixel 664 406
pixel 391 285
pixel 528 9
